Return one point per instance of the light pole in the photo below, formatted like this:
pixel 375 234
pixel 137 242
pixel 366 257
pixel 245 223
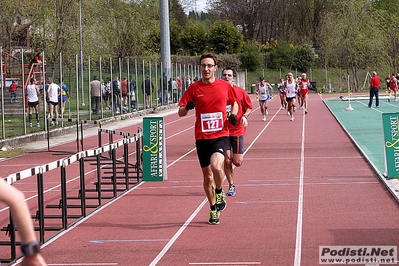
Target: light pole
pixel 165 38
pixel 81 51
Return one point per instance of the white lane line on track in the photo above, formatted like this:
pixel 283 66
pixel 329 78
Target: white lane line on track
pixel 242 263
pixel 350 183
pixel 178 233
pixel 184 226
pixel 102 241
pixel 85 264
pixel 298 242
pixel 181 157
pixel 307 158
pixel 266 201
pixel 187 129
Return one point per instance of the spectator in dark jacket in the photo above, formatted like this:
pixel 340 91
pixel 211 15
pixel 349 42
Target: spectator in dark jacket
pixel 116 91
pixel 147 87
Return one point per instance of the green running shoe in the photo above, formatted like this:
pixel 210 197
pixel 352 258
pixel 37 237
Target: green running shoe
pixel 220 201
pixel 214 217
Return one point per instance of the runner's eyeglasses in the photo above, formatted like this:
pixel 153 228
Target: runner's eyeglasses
pixel 209 66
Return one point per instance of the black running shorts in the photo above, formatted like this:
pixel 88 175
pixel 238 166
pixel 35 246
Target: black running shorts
pixel 33 104
pixel 237 144
pixel 207 147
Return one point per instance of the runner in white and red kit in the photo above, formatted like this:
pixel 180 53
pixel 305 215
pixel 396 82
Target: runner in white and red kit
pixel 290 88
pixel 304 92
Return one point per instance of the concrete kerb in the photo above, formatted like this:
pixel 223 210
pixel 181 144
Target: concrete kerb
pixel 17 142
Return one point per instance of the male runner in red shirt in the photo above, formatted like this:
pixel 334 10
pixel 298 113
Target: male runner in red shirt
pixel 210 96
pixel 235 154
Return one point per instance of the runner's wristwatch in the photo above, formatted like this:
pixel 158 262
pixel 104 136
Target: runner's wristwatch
pixel 31 249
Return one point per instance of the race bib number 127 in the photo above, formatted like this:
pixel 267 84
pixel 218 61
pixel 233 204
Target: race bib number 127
pixel 212 122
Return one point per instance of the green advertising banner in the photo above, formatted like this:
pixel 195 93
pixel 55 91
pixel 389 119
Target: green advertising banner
pixel 154 149
pixel 391 143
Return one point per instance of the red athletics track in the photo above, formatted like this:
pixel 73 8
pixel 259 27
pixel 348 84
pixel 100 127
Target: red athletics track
pixel 303 184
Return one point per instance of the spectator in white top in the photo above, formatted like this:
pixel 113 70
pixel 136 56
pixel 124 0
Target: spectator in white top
pixel 53 91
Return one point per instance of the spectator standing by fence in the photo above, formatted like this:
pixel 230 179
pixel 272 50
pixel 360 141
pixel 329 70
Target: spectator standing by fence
pixel 116 95
pixel 133 96
pixel 95 92
pixel 107 93
pixel 147 87
pixel 53 91
pixel 164 89
pixel 32 92
pixel 174 90
pixel 124 93
pixel 62 99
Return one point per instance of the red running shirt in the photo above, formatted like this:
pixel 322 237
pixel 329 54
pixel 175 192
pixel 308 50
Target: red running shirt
pixel 304 87
pixel 392 84
pixel 244 103
pixel 210 110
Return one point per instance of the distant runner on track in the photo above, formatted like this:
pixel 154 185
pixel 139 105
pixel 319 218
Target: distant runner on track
pixel 264 92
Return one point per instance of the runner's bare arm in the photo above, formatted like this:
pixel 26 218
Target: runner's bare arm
pixel 15 199
pixel 234 108
pixel 182 111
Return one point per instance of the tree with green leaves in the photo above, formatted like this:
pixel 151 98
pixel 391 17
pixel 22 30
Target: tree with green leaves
pixel 195 39
pixel 224 38
pixel 281 55
pixel 251 58
pixel 10 16
pixel 304 57
pixel 388 18
pixel 352 38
